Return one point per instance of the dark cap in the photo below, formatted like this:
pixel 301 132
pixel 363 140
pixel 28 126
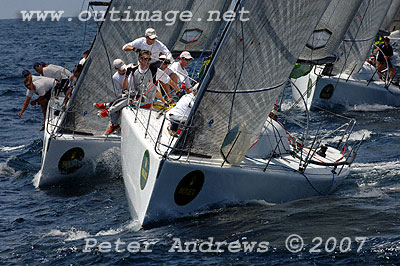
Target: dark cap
pixel 25 73
pixel 42 63
pixel 387 39
pixel 37 64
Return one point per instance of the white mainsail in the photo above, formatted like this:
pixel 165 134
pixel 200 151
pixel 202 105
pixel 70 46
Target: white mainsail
pixel 328 35
pixel 96 84
pixel 360 36
pixel 248 73
pixel 391 15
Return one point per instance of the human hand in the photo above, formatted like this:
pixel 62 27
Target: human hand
pixel 128 71
pixel 19 114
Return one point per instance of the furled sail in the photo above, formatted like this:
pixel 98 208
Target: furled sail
pixel 250 68
pixel 129 20
pixel 360 36
pixel 327 36
pixel 391 15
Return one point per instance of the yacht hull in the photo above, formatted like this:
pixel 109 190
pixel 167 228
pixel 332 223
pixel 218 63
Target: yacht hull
pixel 69 158
pixel 334 93
pixel 159 188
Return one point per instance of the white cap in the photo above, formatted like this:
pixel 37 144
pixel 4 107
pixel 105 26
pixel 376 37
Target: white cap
pixel 119 64
pixel 162 57
pixel 151 33
pixel 186 55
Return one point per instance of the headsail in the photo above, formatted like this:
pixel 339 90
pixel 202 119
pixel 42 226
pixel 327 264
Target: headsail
pixel 249 70
pixel 360 36
pixel 391 15
pixel 95 83
pixel 327 36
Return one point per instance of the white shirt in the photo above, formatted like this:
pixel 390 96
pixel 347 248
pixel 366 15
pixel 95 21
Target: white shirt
pixel 117 80
pixel 42 86
pixel 83 60
pixel 181 73
pixel 56 72
pixel 163 76
pixel 183 107
pixel 155 49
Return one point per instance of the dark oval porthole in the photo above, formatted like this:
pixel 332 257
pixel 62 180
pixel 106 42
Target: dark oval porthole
pixel 71 160
pixel 189 187
pixel 326 92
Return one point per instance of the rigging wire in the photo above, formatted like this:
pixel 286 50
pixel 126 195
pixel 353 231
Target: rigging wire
pixel 106 51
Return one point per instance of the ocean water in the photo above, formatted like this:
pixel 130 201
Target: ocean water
pixel 79 224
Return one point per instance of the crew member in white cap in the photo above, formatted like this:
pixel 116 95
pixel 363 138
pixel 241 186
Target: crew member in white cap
pixel 119 75
pixel 179 69
pixel 149 43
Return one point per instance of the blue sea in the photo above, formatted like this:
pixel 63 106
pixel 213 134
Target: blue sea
pixel 88 222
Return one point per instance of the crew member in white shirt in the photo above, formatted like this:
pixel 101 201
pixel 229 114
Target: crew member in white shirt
pixel 180 113
pixel 40 86
pixel 52 71
pixel 179 69
pixel 59 73
pixel 149 43
pixel 166 78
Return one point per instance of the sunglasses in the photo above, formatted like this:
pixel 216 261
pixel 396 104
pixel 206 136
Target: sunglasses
pixel 187 59
pixel 146 58
pixel 166 62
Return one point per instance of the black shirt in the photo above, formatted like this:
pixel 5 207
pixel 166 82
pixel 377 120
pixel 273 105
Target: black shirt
pixel 387 51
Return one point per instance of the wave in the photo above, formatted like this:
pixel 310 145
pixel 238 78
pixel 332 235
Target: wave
pixel 361 167
pixel 3 148
pixel 74 234
pixel 371 108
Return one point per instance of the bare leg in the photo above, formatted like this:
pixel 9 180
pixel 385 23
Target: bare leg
pixel 43 104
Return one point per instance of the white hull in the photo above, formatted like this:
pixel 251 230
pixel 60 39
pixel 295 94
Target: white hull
pixel 348 92
pixel 55 169
pixel 70 157
pixel 158 188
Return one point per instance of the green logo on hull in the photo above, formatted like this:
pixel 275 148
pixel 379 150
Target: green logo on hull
pixel 144 172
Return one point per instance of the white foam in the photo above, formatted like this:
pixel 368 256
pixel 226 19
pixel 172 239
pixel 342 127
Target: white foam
pixel 355 136
pixel 371 108
pixel 368 167
pixel 73 234
pixel 11 148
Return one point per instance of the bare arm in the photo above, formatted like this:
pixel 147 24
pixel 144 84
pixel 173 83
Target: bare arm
pixel 24 106
pixel 129 48
pixel 125 84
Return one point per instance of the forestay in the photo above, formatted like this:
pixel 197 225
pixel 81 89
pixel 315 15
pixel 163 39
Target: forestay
pixel 95 83
pixel 249 70
pixel 360 36
pixel 327 36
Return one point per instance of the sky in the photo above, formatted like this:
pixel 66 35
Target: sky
pixel 11 8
